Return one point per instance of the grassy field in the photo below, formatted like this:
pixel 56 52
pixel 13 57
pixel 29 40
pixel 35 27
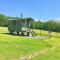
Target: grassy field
pixel 51 54
pixel 12 47
pixel 43 32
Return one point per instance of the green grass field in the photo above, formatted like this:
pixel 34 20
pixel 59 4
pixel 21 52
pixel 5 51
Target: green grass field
pixel 14 46
pixel 51 54
pixel 43 32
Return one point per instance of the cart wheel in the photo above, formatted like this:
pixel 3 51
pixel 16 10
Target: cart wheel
pixel 17 32
pixel 28 34
pixel 11 32
pixel 22 33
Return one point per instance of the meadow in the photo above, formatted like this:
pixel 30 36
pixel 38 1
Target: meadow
pixel 51 54
pixel 13 46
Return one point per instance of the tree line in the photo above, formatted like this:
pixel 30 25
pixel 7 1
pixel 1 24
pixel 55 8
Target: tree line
pixel 50 25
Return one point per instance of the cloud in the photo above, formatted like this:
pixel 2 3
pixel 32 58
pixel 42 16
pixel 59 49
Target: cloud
pixel 57 19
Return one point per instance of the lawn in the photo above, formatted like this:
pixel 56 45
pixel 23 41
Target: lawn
pixel 12 46
pixel 50 55
pixel 53 54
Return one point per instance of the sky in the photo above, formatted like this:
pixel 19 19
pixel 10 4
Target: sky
pixel 37 9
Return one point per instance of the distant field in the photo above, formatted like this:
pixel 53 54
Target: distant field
pixel 14 46
pixel 43 32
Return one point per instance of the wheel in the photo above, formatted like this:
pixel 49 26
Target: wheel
pixel 17 32
pixel 22 33
pixel 27 33
pixel 11 32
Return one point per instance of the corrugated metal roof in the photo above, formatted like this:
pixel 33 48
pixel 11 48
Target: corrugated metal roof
pixel 17 19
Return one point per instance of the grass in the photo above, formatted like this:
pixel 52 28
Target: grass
pixel 51 54
pixel 12 47
pixel 43 32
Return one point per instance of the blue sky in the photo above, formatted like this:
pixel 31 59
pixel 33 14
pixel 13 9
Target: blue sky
pixel 37 9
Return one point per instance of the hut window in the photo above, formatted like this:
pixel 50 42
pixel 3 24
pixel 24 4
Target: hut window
pixel 14 22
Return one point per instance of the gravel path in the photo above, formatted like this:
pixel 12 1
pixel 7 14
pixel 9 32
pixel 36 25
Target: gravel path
pixel 40 37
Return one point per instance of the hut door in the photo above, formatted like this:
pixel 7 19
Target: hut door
pixel 23 27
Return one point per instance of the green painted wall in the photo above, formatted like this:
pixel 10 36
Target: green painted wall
pixel 16 25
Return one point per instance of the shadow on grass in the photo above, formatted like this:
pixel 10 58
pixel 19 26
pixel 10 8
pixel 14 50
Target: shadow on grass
pixel 27 36
pixel 11 34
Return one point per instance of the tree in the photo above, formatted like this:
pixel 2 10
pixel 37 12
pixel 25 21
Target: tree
pixel 3 20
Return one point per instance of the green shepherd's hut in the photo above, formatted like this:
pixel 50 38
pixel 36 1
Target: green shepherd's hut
pixel 20 26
